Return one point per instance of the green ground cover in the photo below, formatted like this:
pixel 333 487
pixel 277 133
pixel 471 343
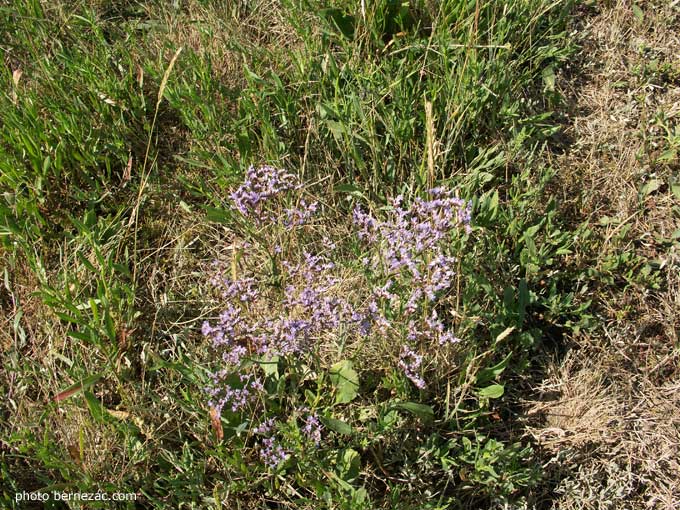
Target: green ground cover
pixel 125 129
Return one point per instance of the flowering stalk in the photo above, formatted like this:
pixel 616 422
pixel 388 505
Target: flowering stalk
pixel 408 271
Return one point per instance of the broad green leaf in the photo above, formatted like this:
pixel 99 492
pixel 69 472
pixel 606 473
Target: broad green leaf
pixel 122 269
pixel 109 327
pixel 530 232
pixel 608 220
pixel 491 373
pixel 360 496
pixel 66 317
pixel 218 215
pixel 530 246
pixel 675 188
pixel 346 381
pixel 86 262
pixel 548 75
pixel 422 411
pixel 637 12
pixel 389 419
pixel 80 335
pixel 350 189
pixel 338 426
pixel 493 204
pixel 252 76
pixel 338 130
pixel 349 464
pixel 493 391
pixel 668 156
pixel 270 366
pixel 650 187
pixel 310 397
pixel 95 406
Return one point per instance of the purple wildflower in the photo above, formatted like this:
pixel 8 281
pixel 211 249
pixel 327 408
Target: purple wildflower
pixel 260 185
pixel 223 394
pixel 409 253
pixel 296 216
pixel 410 363
pixel 272 453
pixel 448 338
pixel 244 289
pixel 312 428
pixel 434 330
pixel 409 233
pixel 266 427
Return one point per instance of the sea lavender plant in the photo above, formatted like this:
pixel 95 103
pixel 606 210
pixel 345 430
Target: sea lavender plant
pixel 311 426
pixel 410 362
pixel 408 270
pixel 259 186
pixel 411 247
pixel 299 215
pixel 257 321
pixel 271 451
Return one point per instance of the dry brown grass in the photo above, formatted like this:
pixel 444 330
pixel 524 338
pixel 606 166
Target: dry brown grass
pixel 613 437
pixel 212 29
pixel 611 410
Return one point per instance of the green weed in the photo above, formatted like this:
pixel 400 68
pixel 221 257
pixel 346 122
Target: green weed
pixel 125 126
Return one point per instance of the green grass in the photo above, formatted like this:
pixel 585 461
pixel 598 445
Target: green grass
pixel 124 128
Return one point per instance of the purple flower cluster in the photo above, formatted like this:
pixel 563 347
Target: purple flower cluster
pixel 266 427
pixel 259 196
pixel 296 216
pixel 312 428
pixel 244 289
pixel 407 235
pixel 409 269
pixel 410 363
pixel 260 185
pixel 435 328
pixel 271 452
pixel 314 295
pixel 413 242
pixel 223 394
pixel 411 247
pixel 257 322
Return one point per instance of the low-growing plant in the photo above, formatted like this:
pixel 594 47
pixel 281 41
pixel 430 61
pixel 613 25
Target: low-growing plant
pixel 325 338
pixel 360 336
